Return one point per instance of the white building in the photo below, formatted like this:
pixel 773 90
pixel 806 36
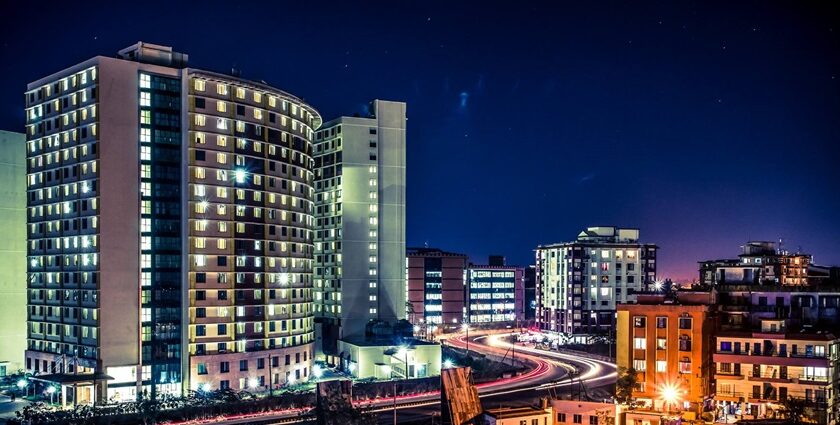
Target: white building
pixel 360 223
pixel 579 283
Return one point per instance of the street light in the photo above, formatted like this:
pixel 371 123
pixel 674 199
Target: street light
pixel 23 384
pixel 670 394
pixel 466 328
pixel 317 371
pixel 448 364
pixel 51 391
pixel 253 383
pixel 205 387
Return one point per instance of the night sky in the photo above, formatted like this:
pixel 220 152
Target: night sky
pixel 702 124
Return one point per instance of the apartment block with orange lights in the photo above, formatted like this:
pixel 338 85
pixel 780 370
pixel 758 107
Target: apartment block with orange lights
pixel 668 342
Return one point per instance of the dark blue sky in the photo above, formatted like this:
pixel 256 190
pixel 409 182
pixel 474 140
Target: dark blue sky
pixel 703 124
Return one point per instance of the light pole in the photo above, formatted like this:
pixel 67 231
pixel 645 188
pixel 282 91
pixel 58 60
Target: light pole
pixel 51 392
pixel 466 328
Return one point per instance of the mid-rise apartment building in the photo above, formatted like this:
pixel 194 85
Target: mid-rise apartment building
pixel 758 370
pixel 12 251
pixel 170 228
pixel 580 283
pixel 494 293
pixel 760 263
pixel 360 223
pixel 436 281
pixel 668 341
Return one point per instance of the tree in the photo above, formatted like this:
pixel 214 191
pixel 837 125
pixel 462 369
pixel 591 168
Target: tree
pixel 624 385
pixel 335 409
pixel 794 408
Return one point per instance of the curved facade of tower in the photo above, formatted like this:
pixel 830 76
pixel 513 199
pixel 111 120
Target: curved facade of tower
pixel 249 200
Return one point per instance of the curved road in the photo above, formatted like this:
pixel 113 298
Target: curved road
pixel 548 370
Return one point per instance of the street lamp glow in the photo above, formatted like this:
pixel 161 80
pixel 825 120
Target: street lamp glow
pixel 402 351
pixel 670 393
pixel 239 175
pixel 386 369
pixel 203 205
pixel 22 383
pixel 465 327
pixel 253 383
pixel 352 367
pixel 284 278
pixel 416 328
pixel 317 371
pixel 51 389
pixel 448 364
pixel 291 380
pixel 658 285
pixel 205 387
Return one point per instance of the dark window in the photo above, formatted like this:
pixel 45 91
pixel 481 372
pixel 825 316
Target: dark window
pixel 243 365
pixel 199 155
pixel 685 323
pixel 577 419
pixel 373 143
pixel 202 368
pixel 224 367
pixel 221 261
pixel 639 321
pixel 200 277
pixel 200 312
pixel 260 363
pixel 199 102
pixel 661 322
pixel 200 295
pixel 372 131
pixel 200 330
pixel 372 157
pixel 224 385
pixel 222 295
pixel 240 110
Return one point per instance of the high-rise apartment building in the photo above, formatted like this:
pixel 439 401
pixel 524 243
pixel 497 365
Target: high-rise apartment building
pixel 170 226
pixel 360 223
pixel 12 251
pixel 579 283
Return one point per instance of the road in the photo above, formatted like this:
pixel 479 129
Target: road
pixel 548 374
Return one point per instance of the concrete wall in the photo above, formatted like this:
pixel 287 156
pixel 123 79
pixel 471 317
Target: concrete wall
pixel 12 249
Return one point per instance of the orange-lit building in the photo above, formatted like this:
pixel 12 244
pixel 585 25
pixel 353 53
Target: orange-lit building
pixel 668 342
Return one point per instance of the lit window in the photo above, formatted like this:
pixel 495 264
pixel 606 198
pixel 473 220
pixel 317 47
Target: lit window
pixel 145 117
pixel 200 119
pixel 199 85
pixel 372 182
pixel 145 135
pixel 199 172
pixel 145 171
pixel 221 89
pixel 221 106
pixel 222 124
pixel 200 260
pixel 145 99
pixel 240 92
pixel 661 365
pixel 639 343
pixel 145 81
pixel 221 158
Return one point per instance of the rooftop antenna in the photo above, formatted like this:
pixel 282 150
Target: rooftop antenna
pixel 426 244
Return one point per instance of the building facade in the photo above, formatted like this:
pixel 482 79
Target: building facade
pixel 760 263
pixel 360 223
pixel 170 228
pixel 668 342
pixel 756 372
pixel 580 283
pixel 13 248
pixel 494 293
pixel 436 281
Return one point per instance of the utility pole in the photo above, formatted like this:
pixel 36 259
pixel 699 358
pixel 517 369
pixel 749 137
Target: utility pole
pixel 395 401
